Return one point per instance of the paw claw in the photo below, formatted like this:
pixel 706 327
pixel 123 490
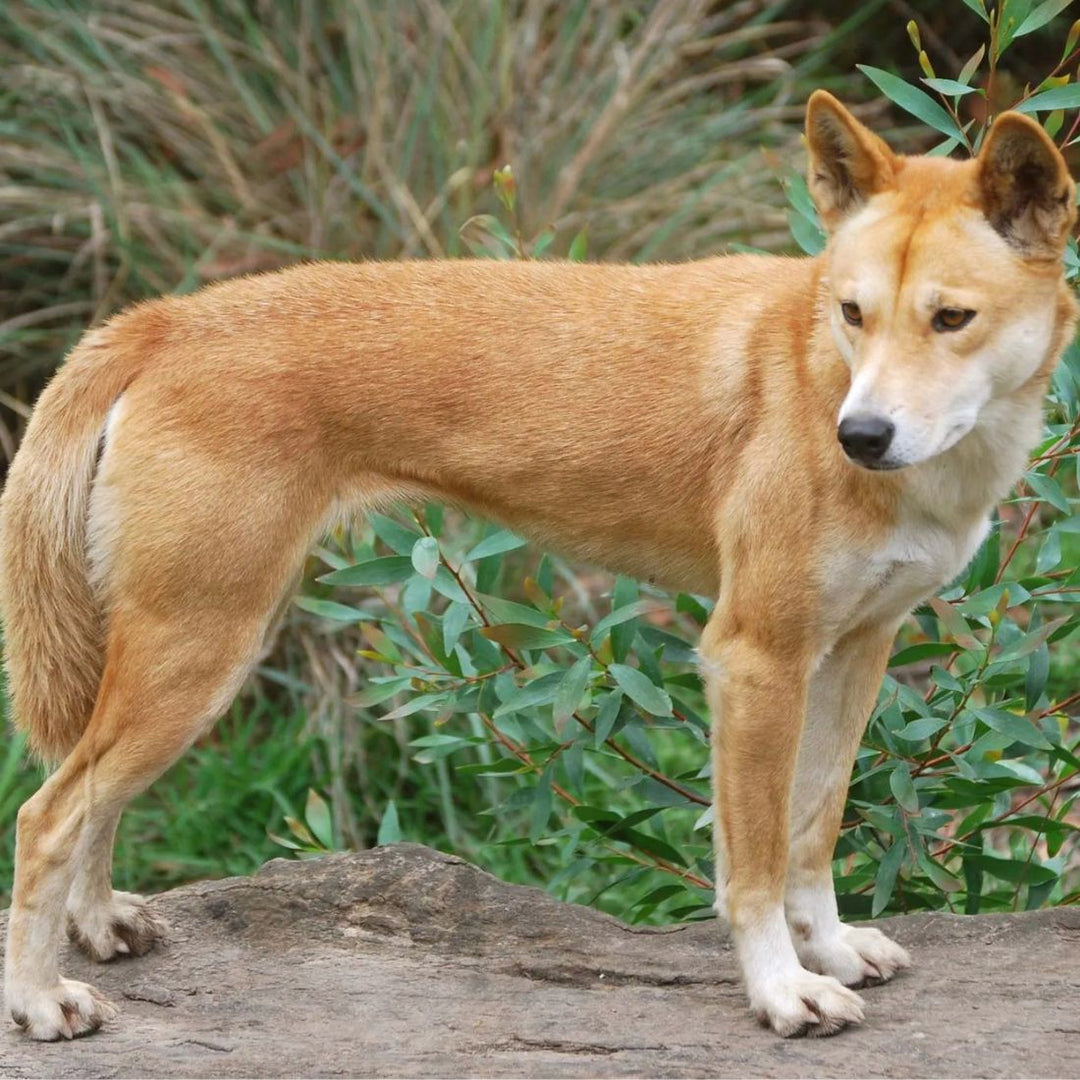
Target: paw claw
pixel 69 1010
pixel 806 1004
pixel 857 956
pixel 126 927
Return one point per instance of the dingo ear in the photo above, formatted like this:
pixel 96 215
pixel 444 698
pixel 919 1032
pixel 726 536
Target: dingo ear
pixel 848 162
pixel 1027 193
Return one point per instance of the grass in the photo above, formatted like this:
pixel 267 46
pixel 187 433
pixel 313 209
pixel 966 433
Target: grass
pixel 153 147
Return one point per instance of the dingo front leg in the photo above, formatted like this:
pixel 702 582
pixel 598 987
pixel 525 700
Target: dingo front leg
pixel 757 687
pixel 842 694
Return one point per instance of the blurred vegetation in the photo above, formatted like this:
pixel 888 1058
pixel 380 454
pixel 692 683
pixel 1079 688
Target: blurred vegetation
pixel 438 680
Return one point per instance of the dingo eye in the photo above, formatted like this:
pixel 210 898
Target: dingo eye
pixel 951 318
pixel 852 314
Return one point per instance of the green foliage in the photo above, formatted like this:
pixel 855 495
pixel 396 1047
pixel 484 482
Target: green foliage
pixel 588 742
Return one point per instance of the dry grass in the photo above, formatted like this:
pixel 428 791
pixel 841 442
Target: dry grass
pixel 150 147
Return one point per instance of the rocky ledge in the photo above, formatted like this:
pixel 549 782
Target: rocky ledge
pixel 406 962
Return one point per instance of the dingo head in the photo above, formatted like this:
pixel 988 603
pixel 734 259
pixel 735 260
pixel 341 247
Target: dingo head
pixel 944 277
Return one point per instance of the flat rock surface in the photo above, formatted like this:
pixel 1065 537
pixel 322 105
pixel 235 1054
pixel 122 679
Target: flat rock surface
pixel 406 962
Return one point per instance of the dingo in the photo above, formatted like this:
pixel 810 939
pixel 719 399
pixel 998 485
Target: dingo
pixel 815 442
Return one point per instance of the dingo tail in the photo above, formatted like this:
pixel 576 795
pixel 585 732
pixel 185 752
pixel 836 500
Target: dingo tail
pixel 53 621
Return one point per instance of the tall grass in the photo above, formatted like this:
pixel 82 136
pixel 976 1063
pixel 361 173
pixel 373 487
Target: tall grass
pixel 150 147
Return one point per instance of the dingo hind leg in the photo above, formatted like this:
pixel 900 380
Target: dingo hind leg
pixel 191 590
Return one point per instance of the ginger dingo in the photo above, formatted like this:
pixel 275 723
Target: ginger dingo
pixel 817 443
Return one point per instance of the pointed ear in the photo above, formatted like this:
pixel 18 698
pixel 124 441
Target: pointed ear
pixel 848 162
pixel 1026 191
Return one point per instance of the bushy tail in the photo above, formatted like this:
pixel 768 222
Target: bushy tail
pixel 53 623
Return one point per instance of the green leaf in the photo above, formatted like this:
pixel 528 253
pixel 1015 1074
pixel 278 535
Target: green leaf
pixel 455 619
pixel 949 86
pixel 1014 871
pixel 651 845
pixel 539 691
pixel 496 544
pixel 1017 728
pixel 945 680
pixel 606 717
pixel 445 584
pixel 574 763
pixel 798 196
pixel 1049 490
pixel 618 617
pixel 1010 769
pixel 807 235
pixel 415 705
pixel 389 827
pixel 506 767
pixel 579 246
pixel 520 636
pixel 979 7
pixel 1041 15
pixel 912 100
pixel 328 609
pixel 1029 642
pixel 921 652
pixel 507 611
pixel 1049 552
pixel 541 806
pixel 1036 676
pixel 543 242
pixel 903 787
pixel 885 879
pixel 317 816
pixel 444 738
pixel 425 556
pixel 640 689
pixel 921 729
pixel 393 534
pixel 377 692
pixel 1060 97
pixel 571 691
pixel 386 571
pixel 622 636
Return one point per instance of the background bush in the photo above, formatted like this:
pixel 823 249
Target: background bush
pixel 439 681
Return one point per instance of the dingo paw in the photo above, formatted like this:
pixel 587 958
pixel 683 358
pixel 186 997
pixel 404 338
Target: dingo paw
pixel 856 955
pixel 806 1004
pixel 124 927
pixel 67 1011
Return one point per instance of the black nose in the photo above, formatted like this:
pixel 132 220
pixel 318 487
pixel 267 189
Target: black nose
pixel 865 438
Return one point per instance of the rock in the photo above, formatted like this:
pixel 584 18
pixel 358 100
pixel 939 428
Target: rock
pixel 406 962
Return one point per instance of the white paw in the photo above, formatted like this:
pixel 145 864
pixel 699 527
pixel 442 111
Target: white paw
pixel 805 1004
pixel 124 927
pixel 855 955
pixel 66 1011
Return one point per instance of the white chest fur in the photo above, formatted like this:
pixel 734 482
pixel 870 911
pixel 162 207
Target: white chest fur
pixel 883 584
pixel 943 517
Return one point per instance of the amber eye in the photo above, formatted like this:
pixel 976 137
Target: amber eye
pixel 951 318
pixel 852 314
